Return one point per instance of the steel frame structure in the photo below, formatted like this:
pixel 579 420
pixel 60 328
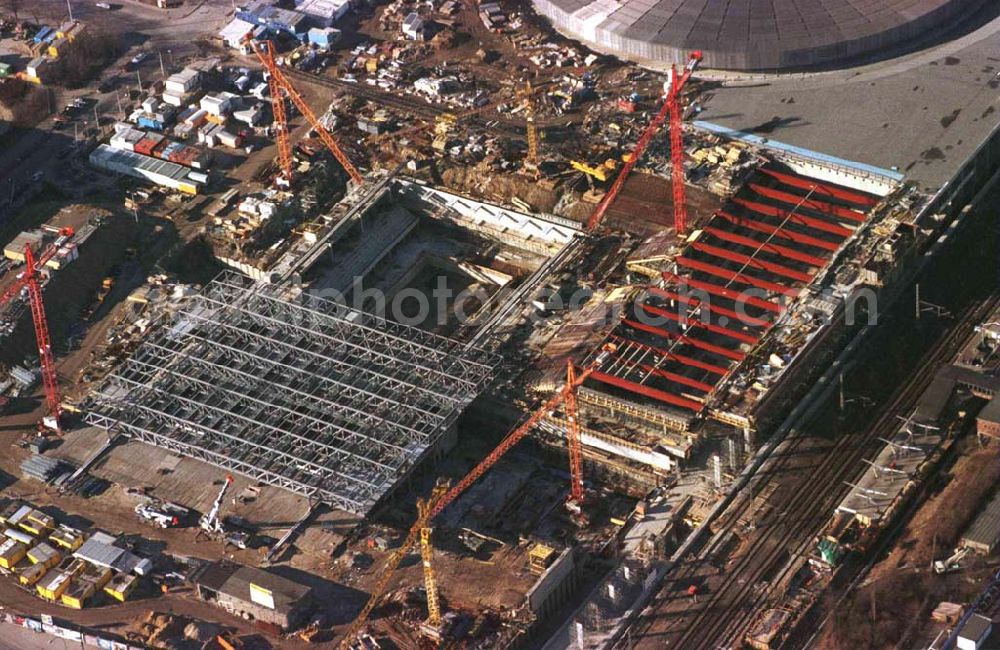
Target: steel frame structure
pixel 797 225
pixel 292 390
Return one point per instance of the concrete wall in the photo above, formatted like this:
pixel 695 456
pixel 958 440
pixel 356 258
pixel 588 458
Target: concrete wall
pixel 554 586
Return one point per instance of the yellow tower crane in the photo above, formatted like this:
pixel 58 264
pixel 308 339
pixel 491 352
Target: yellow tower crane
pixel 432 626
pixel 527 95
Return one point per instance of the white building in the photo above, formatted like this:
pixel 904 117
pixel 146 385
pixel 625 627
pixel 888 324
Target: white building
pixel 323 13
pixel 413 27
pixel 235 33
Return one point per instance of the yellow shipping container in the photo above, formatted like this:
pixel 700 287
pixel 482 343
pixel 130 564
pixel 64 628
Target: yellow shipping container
pixel 42 553
pixel 37 523
pixel 32 574
pixel 53 586
pixel 122 586
pixel 12 552
pixel 77 594
pixel 67 538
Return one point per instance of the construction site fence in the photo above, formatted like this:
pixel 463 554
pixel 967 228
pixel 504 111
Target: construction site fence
pixel 45 625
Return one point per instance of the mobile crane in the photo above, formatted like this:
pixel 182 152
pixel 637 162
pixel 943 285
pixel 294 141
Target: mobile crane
pixel 29 280
pixel 212 524
pixel 672 106
pixel 439 503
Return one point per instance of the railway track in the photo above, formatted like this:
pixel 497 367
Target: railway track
pixel 777 549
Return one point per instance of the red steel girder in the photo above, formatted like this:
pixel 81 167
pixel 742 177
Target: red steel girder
pixel 694 303
pixel 809 204
pixel 696 322
pixel 733 276
pixel 725 292
pixel 659 395
pixel 679 379
pixel 751 262
pixel 673 356
pixel 775 249
pixel 684 338
pixel 779 213
pixel 666 374
pixel 784 233
pixel 819 187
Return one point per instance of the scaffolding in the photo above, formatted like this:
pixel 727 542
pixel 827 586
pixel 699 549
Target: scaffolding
pixel 292 390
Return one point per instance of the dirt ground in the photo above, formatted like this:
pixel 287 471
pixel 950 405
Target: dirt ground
pixel 901 590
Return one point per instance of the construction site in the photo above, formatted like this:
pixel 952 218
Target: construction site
pixel 399 326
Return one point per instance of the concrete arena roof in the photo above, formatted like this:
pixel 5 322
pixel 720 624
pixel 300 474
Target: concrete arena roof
pixel 751 34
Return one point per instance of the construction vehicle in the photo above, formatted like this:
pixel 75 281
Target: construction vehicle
pixel 671 106
pixel 213 525
pixel 29 281
pixel 600 172
pixel 952 562
pixel 440 502
pixel 280 88
pixel 162 513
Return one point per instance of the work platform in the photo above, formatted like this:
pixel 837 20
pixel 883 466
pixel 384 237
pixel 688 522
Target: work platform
pixel 293 390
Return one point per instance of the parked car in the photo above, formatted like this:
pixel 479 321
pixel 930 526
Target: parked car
pixel 139 58
pixel 103 5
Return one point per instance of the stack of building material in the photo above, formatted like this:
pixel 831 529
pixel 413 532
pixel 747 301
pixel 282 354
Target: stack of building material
pixel 42 468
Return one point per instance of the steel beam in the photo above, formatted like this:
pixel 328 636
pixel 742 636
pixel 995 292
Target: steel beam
pixel 659 395
pixel 819 187
pixel 766 246
pixel 735 276
pixel 783 233
pixel 684 338
pixel 801 219
pixel 725 292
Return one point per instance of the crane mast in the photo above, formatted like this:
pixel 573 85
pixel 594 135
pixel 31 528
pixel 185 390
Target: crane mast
pixel 210 522
pixel 267 60
pixel 440 503
pixel 280 118
pixel 671 108
pixel 29 280
pixel 432 626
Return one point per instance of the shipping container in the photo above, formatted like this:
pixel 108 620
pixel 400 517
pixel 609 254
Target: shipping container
pixel 12 552
pixel 122 586
pixel 31 574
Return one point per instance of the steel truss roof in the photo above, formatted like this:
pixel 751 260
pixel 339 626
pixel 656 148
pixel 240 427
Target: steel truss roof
pixel 292 390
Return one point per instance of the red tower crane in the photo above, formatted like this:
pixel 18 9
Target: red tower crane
pixel 439 501
pixel 278 79
pixel 671 106
pixel 29 279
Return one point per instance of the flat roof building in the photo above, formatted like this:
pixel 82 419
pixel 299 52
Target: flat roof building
pixel 137 165
pixel 983 534
pixel 249 591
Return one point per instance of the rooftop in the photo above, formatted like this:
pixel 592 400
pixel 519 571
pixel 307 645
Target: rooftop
pixel 238 581
pixel 293 390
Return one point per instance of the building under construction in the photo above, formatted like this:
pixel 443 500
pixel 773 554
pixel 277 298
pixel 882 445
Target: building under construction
pixel 281 386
